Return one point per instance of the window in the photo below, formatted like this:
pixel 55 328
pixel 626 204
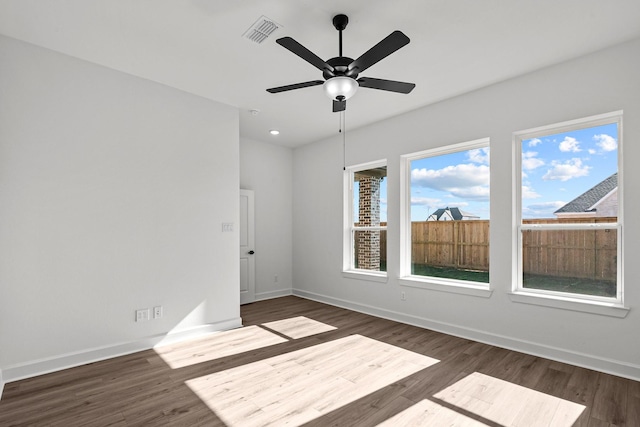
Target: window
pixel 365 219
pixel 569 211
pixel 446 216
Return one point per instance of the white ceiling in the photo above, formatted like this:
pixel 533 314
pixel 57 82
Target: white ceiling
pixel 197 46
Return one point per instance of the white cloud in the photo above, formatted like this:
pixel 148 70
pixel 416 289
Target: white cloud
pixel 592 151
pixel 534 141
pixel 565 171
pixel 531 161
pixel 541 210
pixel 425 201
pixel 547 205
pixel 463 180
pixel 605 142
pixel 529 193
pixel 479 155
pixel 476 193
pixel 570 144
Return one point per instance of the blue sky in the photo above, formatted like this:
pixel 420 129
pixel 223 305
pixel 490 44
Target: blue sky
pixel 555 170
pixel 459 180
pixel 558 168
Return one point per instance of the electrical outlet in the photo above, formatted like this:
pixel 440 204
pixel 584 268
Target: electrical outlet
pixel 142 315
pixel 157 312
pixel 403 297
pixel 275 278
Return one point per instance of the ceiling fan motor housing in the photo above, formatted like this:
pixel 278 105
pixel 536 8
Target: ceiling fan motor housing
pixel 340 66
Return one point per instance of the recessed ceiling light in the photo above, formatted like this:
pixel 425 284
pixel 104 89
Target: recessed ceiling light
pixel 274 132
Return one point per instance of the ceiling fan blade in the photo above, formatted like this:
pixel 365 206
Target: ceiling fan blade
pixel 386 47
pixel 295 86
pixel 390 85
pixel 304 53
pixel 339 106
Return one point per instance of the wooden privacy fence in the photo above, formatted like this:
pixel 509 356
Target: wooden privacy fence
pixel 589 254
pixel 457 244
pixel 465 245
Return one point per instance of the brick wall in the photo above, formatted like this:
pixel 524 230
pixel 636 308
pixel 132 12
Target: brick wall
pixel 368 256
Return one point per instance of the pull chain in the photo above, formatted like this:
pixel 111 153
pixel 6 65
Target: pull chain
pixel 343 130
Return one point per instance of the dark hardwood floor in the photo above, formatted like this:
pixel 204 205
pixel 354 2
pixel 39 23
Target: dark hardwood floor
pixel 298 362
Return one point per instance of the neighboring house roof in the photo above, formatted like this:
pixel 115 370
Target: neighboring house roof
pixel 453 213
pixel 586 201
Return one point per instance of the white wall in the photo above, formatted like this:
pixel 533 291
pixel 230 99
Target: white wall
pixel 600 83
pixel 267 170
pixel 113 190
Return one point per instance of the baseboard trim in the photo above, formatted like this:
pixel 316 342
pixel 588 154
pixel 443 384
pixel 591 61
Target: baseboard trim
pixel 273 294
pixel 608 366
pixel 44 366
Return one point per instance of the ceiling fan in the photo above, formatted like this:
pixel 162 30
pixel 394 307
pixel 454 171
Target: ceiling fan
pixel 341 73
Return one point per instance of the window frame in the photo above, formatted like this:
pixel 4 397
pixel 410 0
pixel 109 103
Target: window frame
pixel 465 287
pixel 349 229
pixel 613 306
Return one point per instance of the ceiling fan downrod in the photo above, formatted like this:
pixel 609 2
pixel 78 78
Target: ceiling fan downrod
pixel 340 23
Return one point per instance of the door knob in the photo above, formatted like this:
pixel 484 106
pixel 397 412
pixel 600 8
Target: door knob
pixel 251 252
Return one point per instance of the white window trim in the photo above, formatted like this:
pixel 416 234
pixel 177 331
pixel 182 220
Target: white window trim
pixel 368 275
pixel 464 287
pixel 585 303
pixel 347 247
pixel 547 299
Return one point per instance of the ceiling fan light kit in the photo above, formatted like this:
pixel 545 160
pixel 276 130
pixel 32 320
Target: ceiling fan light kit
pixel 341 73
pixel 340 87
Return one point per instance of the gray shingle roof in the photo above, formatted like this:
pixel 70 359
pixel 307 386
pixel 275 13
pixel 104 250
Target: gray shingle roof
pixel 456 213
pixel 585 201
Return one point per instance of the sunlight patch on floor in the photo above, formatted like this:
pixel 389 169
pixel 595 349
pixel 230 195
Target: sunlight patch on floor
pixel 216 346
pixel 481 400
pixel 299 327
pixel 297 387
pixel 229 343
pixel 428 413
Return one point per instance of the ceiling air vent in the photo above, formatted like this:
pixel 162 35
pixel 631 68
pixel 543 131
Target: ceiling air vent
pixel 261 30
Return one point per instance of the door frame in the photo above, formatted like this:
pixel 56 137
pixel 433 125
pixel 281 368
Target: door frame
pixel 247 245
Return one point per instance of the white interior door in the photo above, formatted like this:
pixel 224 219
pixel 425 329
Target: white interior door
pixel 247 244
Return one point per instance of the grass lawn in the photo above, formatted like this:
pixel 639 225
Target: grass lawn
pixel 571 285
pixel 450 273
pixel 600 288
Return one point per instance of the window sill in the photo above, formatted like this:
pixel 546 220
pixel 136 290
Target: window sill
pixel 372 276
pixel 574 304
pixel 445 285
